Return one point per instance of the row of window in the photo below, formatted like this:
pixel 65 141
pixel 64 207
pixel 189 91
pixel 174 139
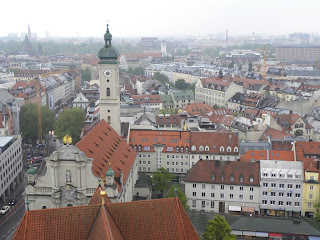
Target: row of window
pixel 206 148
pixel 212 195
pixel 281 194
pixel 231 177
pixel 282 175
pixel 222 187
pixel 281 185
pixel 280 203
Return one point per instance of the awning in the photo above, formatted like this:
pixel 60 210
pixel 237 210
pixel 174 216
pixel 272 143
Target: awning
pixel 275 235
pixel 248 233
pixel 261 234
pixel 234 208
pixel 314 238
pixel 248 209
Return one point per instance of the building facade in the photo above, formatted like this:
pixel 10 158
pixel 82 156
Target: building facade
pixel 281 188
pixel 10 164
pixel 222 187
pixel 64 179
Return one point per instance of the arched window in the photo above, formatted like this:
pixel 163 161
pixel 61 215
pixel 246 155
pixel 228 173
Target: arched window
pixel 69 205
pixel 108 92
pixel 221 149
pixel 229 149
pixel 206 148
pixel 235 149
pixel 213 176
pixel 193 148
pixel 109 119
pixel 301 124
pixel 44 207
pixel 241 178
pixel 187 149
pixel 251 178
pixel 231 177
pixel 181 149
pixel 201 148
pixel 177 149
pixel 135 147
pixel 140 148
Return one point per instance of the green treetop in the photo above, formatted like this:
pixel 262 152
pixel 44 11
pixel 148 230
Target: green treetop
pixel 218 229
pixel 161 180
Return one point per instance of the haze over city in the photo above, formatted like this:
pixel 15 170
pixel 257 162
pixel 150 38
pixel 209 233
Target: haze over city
pixel 160 18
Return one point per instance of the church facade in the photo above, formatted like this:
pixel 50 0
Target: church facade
pixel 64 179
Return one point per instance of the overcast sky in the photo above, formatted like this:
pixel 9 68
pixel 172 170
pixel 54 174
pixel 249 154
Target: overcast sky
pixel 128 18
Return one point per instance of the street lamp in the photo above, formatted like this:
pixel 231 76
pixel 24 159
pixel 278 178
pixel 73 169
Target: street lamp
pixel 51 133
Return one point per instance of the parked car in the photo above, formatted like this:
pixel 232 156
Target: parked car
pixel 12 202
pixel 4 210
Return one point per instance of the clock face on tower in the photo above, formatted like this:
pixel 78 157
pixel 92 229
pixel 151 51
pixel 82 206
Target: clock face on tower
pixel 107 73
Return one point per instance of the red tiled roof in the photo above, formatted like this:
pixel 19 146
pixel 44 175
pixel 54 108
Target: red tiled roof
pixel 273 134
pixel 25 84
pixel 290 118
pixel 198 108
pixel 171 119
pixel 143 220
pixel 227 121
pixel 257 155
pixel 204 170
pixel 282 145
pixel 58 223
pixel 215 82
pixel 104 146
pixel 170 139
pixel 309 148
pixel 152 219
pixel 214 140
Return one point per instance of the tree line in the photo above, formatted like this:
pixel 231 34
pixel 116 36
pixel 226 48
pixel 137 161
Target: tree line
pixel 70 121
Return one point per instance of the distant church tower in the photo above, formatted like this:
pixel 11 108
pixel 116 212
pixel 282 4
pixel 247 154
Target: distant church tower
pixel 109 84
pixel 163 49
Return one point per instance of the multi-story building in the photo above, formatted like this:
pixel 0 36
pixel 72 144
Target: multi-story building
pixel 310 188
pixel 281 188
pixel 160 148
pixel 151 101
pixel 298 53
pixel 213 146
pixel 220 186
pixel 10 164
pixel 181 98
pixel 216 92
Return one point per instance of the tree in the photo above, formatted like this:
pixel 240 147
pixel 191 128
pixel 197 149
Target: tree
pixel 250 67
pixel 182 197
pixel 218 229
pixel 161 179
pixel 139 71
pixel 160 77
pixel 70 121
pixel 85 75
pixel 181 84
pixel 29 121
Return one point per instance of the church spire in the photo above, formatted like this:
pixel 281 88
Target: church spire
pixel 107 37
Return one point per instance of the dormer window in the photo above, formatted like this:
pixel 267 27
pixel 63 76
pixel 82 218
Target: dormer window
pixel 231 177
pixel 221 149
pixel 222 177
pixel 251 178
pixel 193 148
pixel 201 148
pixel 235 149
pixel 213 176
pixel 241 178
pixel 206 148
pixel 177 149
pixel 228 149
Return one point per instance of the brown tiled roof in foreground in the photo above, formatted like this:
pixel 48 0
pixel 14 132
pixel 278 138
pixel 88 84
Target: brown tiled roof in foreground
pixel 58 223
pixel 141 220
pixel 105 147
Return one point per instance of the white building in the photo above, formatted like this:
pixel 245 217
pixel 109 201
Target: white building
pixel 63 179
pixel 281 188
pixel 80 101
pixel 220 186
pixel 10 164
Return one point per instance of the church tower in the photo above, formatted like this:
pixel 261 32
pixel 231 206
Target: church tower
pixel 109 84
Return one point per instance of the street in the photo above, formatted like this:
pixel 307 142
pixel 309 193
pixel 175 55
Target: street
pixel 8 227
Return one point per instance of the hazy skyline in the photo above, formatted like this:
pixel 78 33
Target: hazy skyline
pixel 164 18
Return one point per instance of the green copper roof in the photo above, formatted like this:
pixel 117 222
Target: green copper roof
pixel 108 54
pixel 32 170
pixel 110 172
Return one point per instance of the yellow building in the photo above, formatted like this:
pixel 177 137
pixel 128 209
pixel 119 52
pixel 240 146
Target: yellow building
pixel 310 191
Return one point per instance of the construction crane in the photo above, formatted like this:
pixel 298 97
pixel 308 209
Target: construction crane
pixel 38 95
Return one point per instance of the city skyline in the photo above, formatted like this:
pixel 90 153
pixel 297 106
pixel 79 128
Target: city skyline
pixel 134 19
